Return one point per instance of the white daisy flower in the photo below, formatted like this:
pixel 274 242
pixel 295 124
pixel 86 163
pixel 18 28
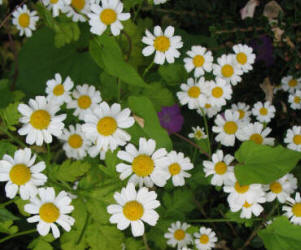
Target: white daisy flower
pixel 264 112
pixel 244 111
pixel 109 14
pixel 281 188
pixel 227 127
pixel 159 1
pixel 197 133
pixel 194 93
pixel 86 98
pixel 220 91
pixel 76 144
pixel 199 60
pixel 78 10
pixel 165 44
pixel 228 69
pixel 104 126
pixel 295 100
pixel 205 239
pixel 56 5
pixel 40 121
pixel 25 20
pixel 257 133
pixel 176 167
pixel 293 138
pixel 49 209
pixel 290 84
pixel 22 174
pixel 244 57
pixel 146 164
pixel 293 210
pixel 59 91
pixel 209 110
pixel 220 167
pixel 177 235
pixel 134 208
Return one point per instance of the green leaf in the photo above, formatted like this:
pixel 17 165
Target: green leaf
pixel 6 215
pixel 131 243
pixel 108 86
pixel 7 148
pixel 236 217
pixel 11 115
pixel 281 235
pixel 263 164
pixel 7 227
pixel 66 33
pixel 111 161
pixel 144 108
pixel 173 74
pixel 70 171
pixel 108 55
pixel 5 93
pixel 42 243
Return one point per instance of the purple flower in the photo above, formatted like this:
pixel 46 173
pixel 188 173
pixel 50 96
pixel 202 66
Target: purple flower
pixel 171 118
pixel 263 47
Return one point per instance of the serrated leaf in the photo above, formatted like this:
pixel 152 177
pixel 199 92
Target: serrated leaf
pixel 11 115
pixel 7 227
pixel 40 244
pixel 263 164
pixel 7 148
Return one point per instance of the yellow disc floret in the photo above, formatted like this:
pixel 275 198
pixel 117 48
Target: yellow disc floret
pixel 198 61
pixel 217 92
pixel 133 210
pixel 194 92
pixel 75 141
pixel 297 139
pixel 179 234
pixel 108 16
pixel 276 187
pixel 292 83
pixel 204 239
pixel 257 138
pixel 84 101
pixel 78 4
pixel 143 165
pixel 162 43
pixel 263 111
pixel 220 168
pixel 40 119
pixel 58 90
pixel 241 58
pixel 24 20
pixel 49 212
pixel 174 169
pixel 230 127
pixel 296 209
pixel 106 126
pixel 227 70
pixel 19 174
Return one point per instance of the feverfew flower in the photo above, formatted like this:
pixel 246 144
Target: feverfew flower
pixel 59 91
pixel 293 138
pixel 25 20
pixel 197 133
pixel 86 98
pixel 223 172
pixel 243 109
pixel 227 69
pixel 244 57
pixel 205 239
pixel 263 112
pixel 176 167
pixel 22 174
pixel 194 94
pixel 134 208
pixel 255 132
pixel 56 5
pixel 78 9
pixel 109 14
pixel 104 126
pixel 76 144
pixel 49 209
pixel 295 100
pixel 220 91
pixel 293 210
pixel 290 84
pixel 177 235
pixel 281 188
pixel 40 121
pixel 227 127
pixel 209 110
pixel 146 164
pixel 165 44
pixel 199 60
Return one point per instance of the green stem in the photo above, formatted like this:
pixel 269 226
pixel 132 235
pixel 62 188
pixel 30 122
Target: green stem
pixel 219 220
pixel 18 234
pixel 11 136
pixel 145 242
pixel 7 203
pixel 148 68
pixel 138 10
pixel 84 229
pixel 207 131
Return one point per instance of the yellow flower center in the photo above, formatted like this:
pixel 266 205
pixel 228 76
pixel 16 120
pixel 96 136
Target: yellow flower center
pixel 297 99
pixel 198 61
pixel 179 234
pixel 292 83
pixel 263 111
pixel 207 106
pixel 49 212
pixel 133 210
pixel 204 239
pixel 58 90
pixel 241 58
pixel 194 92
pixel 24 20
pixel 75 141
pixel 297 139
pixel 78 4
pixel 19 174
pixel 247 205
pixel 217 92
pixel 162 43
pixel 296 209
pixel 230 127
pixel 220 168
pixel 143 165
pixel 241 114
pixel 108 16
pixel 174 169
pixel 198 134
pixel 276 187
pixel 257 138
pixel 241 189
pixel 84 101
pixel 227 70
pixel 107 126
pixel 53 1
pixel 40 119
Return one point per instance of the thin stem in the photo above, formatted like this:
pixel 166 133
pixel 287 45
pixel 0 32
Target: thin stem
pixel 84 229
pixel 207 131
pixel 145 242
pixel 11 136
pixel 148 68
pixel 7 203
pixel 138 10
pixel 18 234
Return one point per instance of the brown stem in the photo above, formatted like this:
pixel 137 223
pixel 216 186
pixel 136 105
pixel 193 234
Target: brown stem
pixel 145 242
pixel 229 224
